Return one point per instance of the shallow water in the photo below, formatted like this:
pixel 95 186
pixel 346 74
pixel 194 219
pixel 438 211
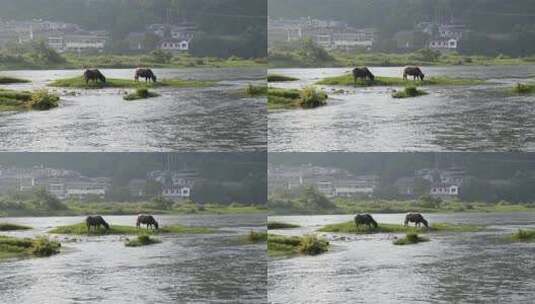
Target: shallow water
pixel 186 119
pixel 452 268
pixel 210 268
pixel 455 118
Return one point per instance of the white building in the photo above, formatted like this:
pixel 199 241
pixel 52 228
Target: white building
pixel 445 44
pixel 445 191
pixel 174 45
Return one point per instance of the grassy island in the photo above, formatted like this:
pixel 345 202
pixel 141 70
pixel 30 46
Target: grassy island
pixel 350 227
pixel 409 92
pixel 11 100
pixel 12 80
pixel 11 247
pixel 81 229
pixel 79 82
pixel 279 245
pixel 141 93
pixel 347 80
pixel 280 78
pixel 523 236
pixel 13 227
pixel 278 225
pixel 306 98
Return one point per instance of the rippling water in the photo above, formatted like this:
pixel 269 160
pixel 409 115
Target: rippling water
pixel 455 118
pixel 452 268
pixel 211 268
pixel 189 119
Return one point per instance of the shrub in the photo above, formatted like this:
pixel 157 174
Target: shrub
pixel 311 245
pixel 43 247
pixel 312 98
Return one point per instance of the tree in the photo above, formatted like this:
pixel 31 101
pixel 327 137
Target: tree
pixel 152 189
pixel 41 53
pixel 160 56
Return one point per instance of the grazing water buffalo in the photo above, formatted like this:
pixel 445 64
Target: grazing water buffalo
pixel 94 75
pixel 96 221
pixel 362 73
pixel 415 72
pixel 415 218
pixel 365 219
pixel 145 73
pixel 147 220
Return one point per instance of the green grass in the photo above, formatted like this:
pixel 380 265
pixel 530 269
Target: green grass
pixel 11 247
pixel 81 229
pixel 12 80
pixel 256 90
pixel 11 100
pixel 306 98
pixel 409 239
pixel 279 225
pixel 280 78
pixel 79 82
pixel 347 80
pixel 13 227
pixel 279 245
pixel 523 89
pixel 140 93
pixel 142 240
pixel 523 236
pixel 350 227
pixel 409 92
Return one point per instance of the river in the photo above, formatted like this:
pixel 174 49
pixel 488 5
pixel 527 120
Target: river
pixel 454 118
pixel 476 267
pixel 209 268
pixel 181 119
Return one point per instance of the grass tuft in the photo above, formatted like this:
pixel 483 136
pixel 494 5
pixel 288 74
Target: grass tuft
pixel 307 98
pixel 408 92
pixel 11 247
pixel 410 238
pixel 142 240
pixel 257 236
pixel 523 89
pixel 279 245
pixel 524 236
pixel 256 90
pixel 140 93
pixel 12 80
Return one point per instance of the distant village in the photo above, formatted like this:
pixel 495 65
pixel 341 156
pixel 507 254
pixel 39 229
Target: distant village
pixel 69 184
pixel 335 182
pixel 335 35
pixel 69 37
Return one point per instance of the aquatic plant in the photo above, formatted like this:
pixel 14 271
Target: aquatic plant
pixel 311 245
pixel 312 98
pixel 17 247
pixel 308 97
pixel 142 240
pixel 524 89
pixel 12 80
pixel 279 245
pixel 279 225
pixel 410 238
pixel 43 247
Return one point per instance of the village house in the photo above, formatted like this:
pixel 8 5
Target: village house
pixel 444 191
pixel 174 45
pixel 176 185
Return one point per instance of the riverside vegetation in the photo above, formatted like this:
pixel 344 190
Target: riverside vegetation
pixel 12 100
pixel 141 93
pixel 409 239
pixel 350 227
pixel 310 244
pixel 81 229
pixel 12 247
pixel 80 83
pixel 142 240
pixel 347 80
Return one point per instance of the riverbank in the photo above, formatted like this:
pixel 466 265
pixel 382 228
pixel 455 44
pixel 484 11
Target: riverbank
pixel 348 206
pixel 289 59
pixel 109 61
pixel 115 208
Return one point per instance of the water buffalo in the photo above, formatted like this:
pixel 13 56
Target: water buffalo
pixel 96 221
pixel 365 219
pixel 415 218
pixel 147 220
pixel 94 75
pixel 362 73
pixel 145 73
pixel 415 72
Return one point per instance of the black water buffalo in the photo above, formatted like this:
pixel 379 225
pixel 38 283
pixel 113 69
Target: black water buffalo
pixel 94 75
pixel 145 73
pixel 96 221
pixel 415 218
pixel 415 72
pixel 147 220
pixel 362 73
pixel 365 219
